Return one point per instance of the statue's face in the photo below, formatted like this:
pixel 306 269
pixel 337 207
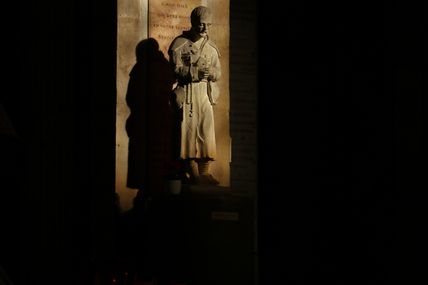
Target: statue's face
pixel 201 26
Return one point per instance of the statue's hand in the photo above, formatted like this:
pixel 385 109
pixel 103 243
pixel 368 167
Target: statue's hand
pixel 206 73
pixel 186 59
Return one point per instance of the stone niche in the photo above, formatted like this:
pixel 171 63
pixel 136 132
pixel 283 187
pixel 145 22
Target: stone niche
pixel 163 20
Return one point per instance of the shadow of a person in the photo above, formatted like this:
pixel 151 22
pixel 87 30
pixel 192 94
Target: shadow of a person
pixel 149 123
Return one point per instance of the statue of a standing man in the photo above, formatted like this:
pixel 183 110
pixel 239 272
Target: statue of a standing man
pixel 196 65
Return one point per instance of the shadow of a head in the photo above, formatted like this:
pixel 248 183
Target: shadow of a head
pixel 147 48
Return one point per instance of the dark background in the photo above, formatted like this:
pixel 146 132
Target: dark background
pixel 341 142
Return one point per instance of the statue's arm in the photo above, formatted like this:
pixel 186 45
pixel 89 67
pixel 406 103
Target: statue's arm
pixel 216 68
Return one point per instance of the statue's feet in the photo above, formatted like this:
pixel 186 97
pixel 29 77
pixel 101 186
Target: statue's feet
pixel 206 180
pixel 188 179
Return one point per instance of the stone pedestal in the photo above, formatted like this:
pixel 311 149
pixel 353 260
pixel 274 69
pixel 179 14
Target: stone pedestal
pixel 209 233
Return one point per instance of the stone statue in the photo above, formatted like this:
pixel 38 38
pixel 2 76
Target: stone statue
pixel 195 62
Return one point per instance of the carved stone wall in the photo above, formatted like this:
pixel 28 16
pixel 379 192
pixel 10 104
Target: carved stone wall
pixel 163 20
pixel 132 28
